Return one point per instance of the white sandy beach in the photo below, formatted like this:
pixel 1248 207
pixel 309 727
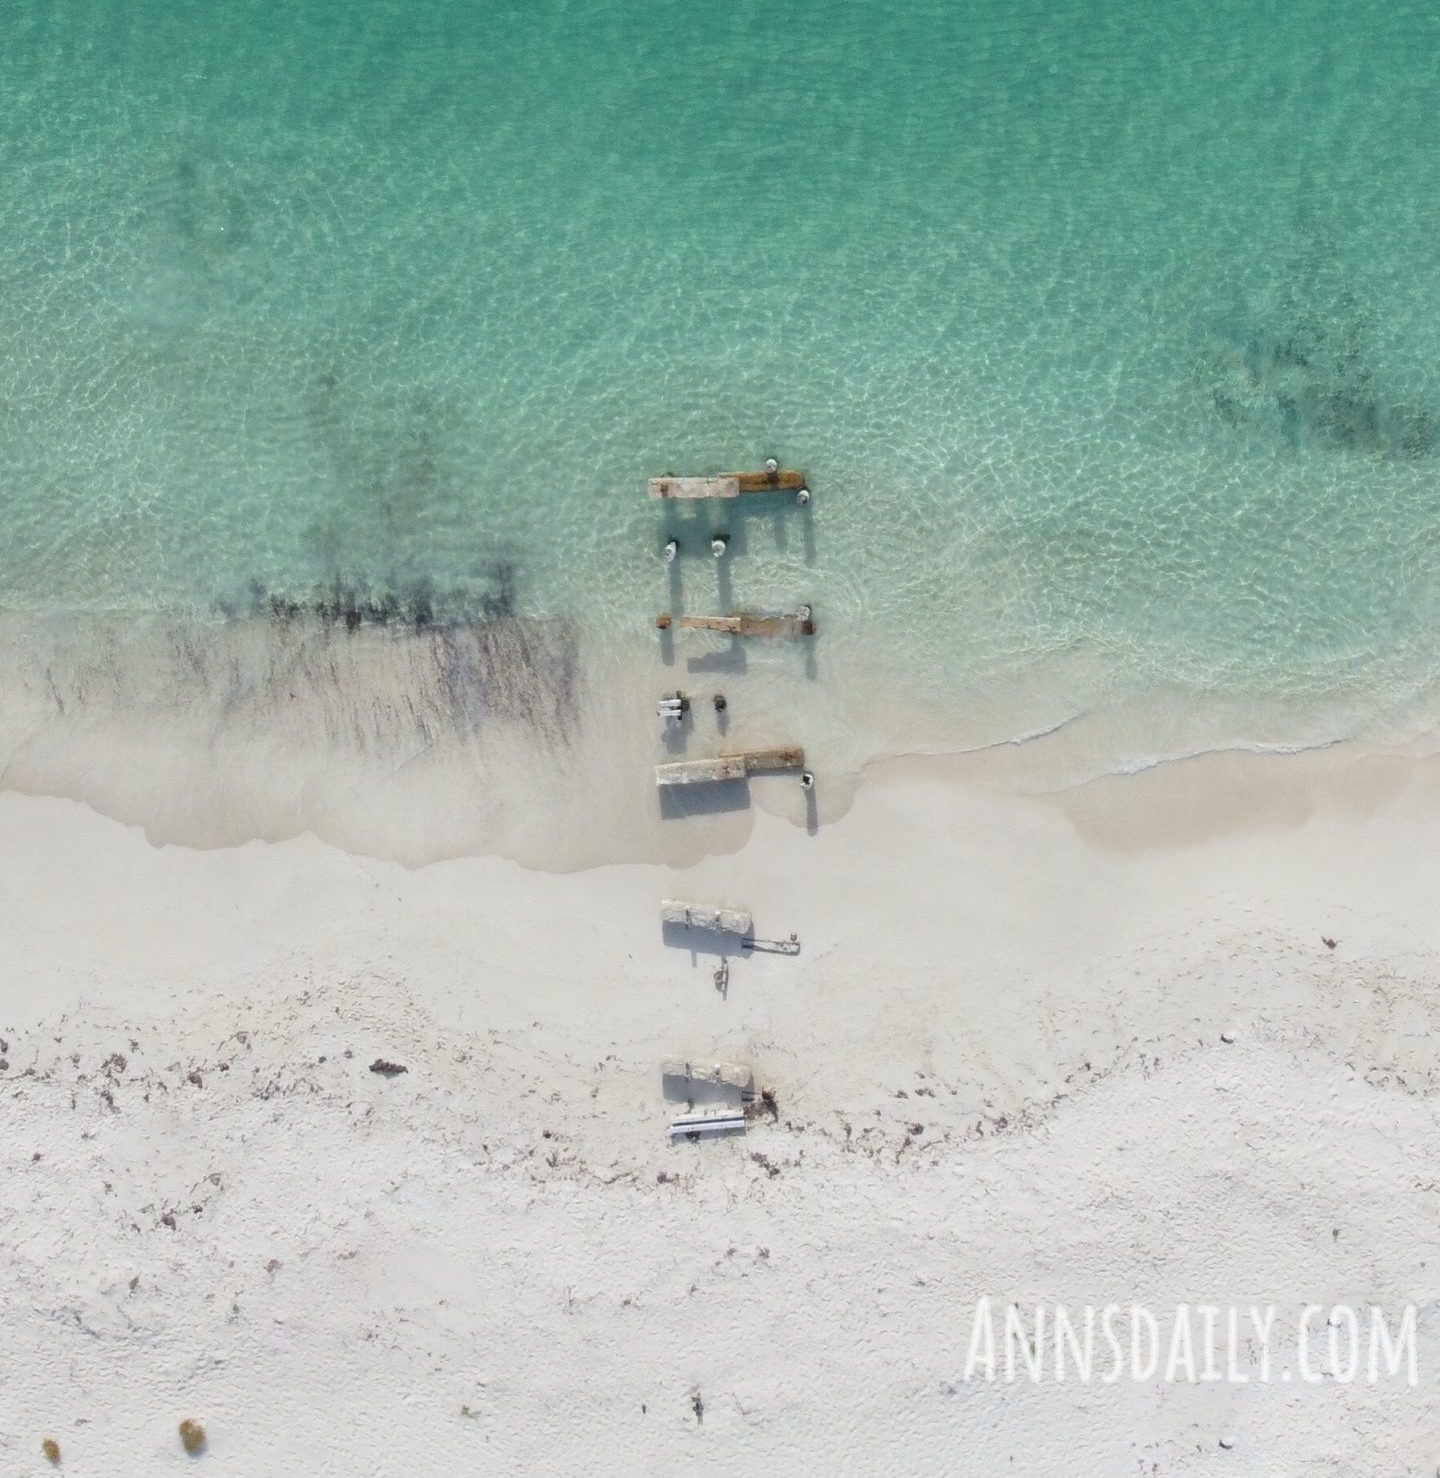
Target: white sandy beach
pixel 997 446
pixel 1081 1050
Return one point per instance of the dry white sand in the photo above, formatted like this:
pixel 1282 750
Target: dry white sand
pixel 1087 1050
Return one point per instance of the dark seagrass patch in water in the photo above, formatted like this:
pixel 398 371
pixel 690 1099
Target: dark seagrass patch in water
pixel 352 601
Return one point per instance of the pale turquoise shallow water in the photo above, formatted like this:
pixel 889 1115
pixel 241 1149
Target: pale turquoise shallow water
pixel 1107 328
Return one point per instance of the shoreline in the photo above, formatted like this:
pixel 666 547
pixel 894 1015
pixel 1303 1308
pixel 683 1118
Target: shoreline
pixel 941 837
pixel 536 739
pixel 1019 883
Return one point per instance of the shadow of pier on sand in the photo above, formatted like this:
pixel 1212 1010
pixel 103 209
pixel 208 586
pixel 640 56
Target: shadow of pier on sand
pixel 713 799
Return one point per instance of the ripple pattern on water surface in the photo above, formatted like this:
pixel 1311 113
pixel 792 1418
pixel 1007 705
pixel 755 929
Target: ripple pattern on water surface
pixel 1104 332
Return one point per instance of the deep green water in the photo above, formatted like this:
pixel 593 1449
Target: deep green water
pixel 1103 328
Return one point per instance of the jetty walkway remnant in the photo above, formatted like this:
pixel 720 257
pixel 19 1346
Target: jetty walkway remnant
pixel 719 1098
pixel 744 623
pixel 738 765
pixel 702 916
pixel 732 484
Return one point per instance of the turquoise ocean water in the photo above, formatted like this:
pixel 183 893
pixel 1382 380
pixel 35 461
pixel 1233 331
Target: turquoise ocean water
pixel 1105 331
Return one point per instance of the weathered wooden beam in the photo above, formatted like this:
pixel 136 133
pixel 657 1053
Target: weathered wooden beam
pixel 734 766
pixel 727 484
pixel 788 757
pixel 702 916
pixel 743 625
pixel 769 482
pixel 694 487
pixel 680 1075
pixel 700 772
pixel 715 1121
